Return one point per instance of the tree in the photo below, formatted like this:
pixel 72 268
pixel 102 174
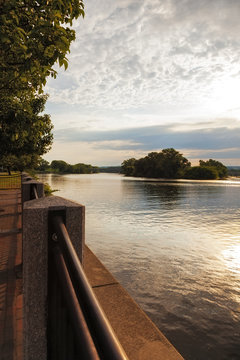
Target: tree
pixel 149 166
pixel 34 36
pixel 24 133
pixel 201 173
pixel 20 162
pixel 128 167
pixel 81 168
pixel 173 163
pixel 221 169
pixel 60 166
pixel 43 165
pixel 167 163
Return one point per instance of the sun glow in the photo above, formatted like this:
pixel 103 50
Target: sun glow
pixel 232 258
pixel 225 96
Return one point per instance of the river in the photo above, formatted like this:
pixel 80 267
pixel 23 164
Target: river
pixel 175 246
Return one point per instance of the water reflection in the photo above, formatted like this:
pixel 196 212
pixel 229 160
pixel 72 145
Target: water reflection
pixel 232 257
pixel 175 247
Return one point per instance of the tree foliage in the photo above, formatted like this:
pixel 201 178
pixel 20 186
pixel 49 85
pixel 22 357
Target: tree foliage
pixel 128 167
pixel 43 165
pixel 62 167
pixel 24 134
pixel 168 163
pixel 84 169
pixel 201 173
pixel 221 169
pixel 34 35
pixel 19 163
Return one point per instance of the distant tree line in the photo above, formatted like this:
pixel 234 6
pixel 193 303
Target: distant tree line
pixel 234 171
pixel 170 164
pixel 110 169
pixel 62 167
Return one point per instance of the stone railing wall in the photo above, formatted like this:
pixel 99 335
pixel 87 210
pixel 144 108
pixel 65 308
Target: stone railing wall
pixel 35 259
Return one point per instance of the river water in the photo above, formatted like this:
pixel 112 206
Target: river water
pixel 175 246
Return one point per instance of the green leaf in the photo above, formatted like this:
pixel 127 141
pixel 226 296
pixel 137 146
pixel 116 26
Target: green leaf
pixel 65 63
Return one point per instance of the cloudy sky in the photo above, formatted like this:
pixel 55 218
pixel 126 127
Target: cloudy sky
pixel 146 75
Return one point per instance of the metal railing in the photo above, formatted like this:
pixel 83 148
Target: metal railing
pixel 10 181
pixel 33 191
pixel 77 326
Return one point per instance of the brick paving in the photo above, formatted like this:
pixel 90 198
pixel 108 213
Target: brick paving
pixel 11 298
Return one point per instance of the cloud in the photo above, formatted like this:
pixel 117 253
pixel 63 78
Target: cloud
pixel 229 153
pixel 149 138
pixel 132 54
pixel 146 75
pixel 88 153
pixel 113 152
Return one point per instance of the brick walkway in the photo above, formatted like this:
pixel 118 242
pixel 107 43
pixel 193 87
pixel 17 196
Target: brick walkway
pixel 11 304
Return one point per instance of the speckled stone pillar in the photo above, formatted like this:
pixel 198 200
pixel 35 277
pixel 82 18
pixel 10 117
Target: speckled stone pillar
pixel 35 265
pixel 27 189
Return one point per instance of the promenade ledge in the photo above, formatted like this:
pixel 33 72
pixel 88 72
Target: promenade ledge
pixel 45 265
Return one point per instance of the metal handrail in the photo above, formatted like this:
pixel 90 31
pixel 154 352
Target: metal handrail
pixel 35 193
pixel 105 340
pixel 85 343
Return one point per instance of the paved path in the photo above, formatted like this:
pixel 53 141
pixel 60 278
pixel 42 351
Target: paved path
pixel 11 313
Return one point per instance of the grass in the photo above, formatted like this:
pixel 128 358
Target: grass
pixel 10 181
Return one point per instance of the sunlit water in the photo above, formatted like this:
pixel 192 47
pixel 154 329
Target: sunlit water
pixel 175 246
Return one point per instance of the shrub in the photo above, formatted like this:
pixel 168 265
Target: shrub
pixel 201 173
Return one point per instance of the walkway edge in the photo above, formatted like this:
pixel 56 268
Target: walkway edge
pixel 139 336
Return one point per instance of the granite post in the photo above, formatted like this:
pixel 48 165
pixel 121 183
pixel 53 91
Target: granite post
pixel 35 265
pixel 27 189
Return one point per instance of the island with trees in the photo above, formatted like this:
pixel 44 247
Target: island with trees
pixel 170 164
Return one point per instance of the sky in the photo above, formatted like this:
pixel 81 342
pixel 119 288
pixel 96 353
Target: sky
pixel 147 75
